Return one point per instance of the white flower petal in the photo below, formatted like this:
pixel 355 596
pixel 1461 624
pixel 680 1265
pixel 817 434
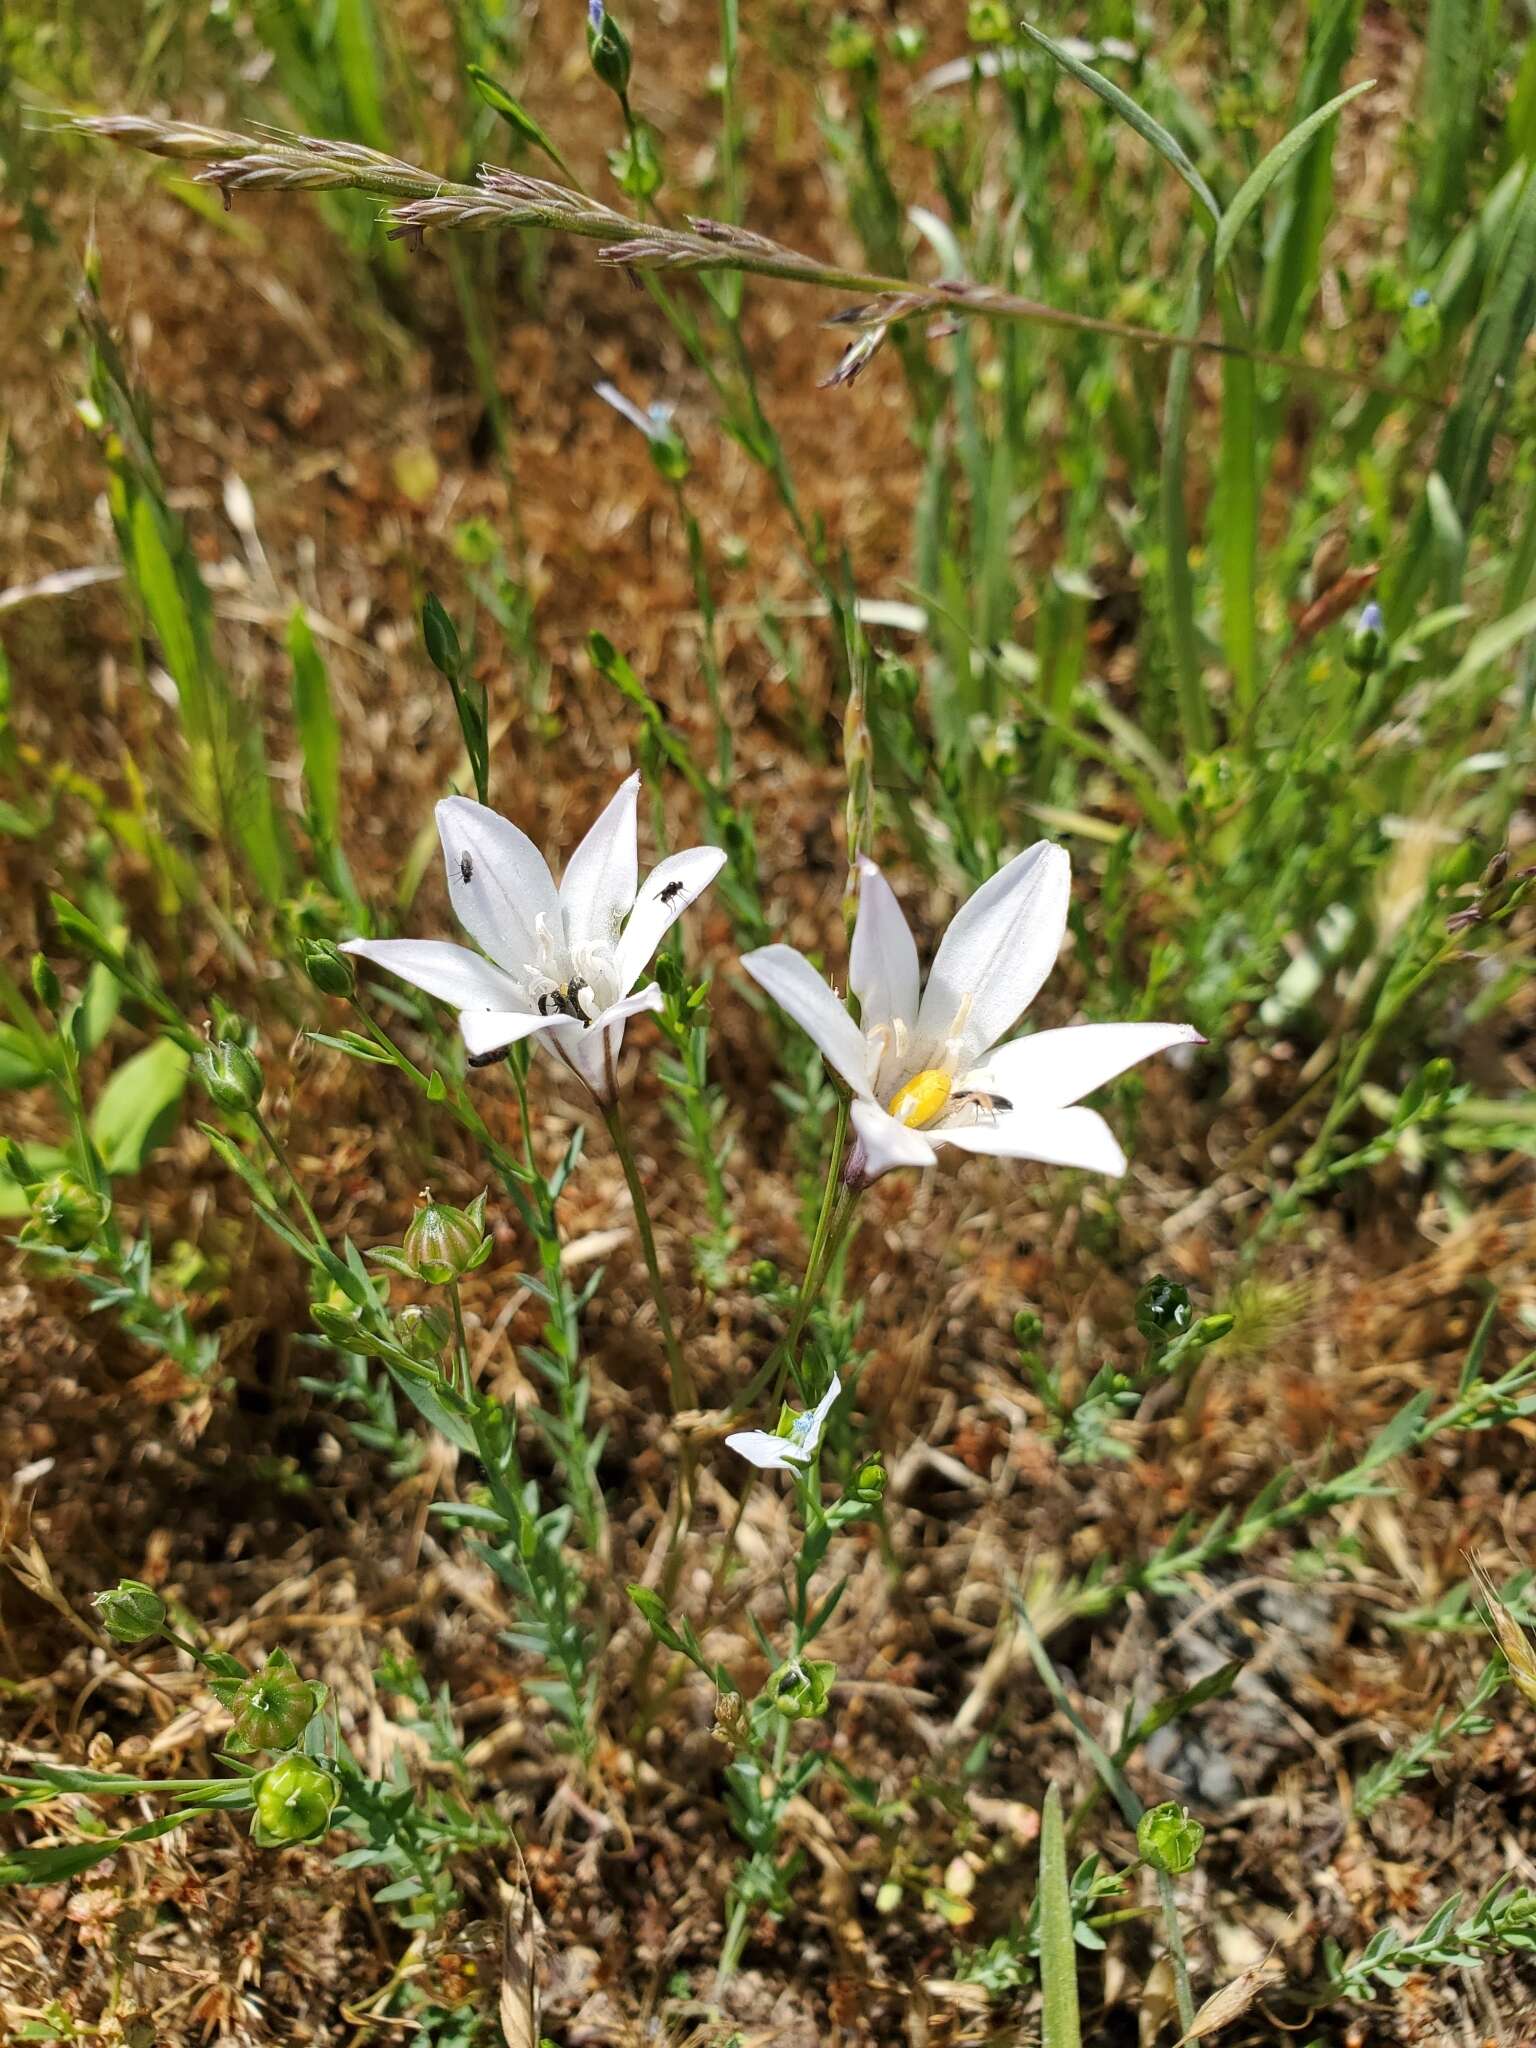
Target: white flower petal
pixel 498 882
pixel 1049 1069
pixel 772 1453
pixel 999 947
pixel 801 993
pixel 626 407
pixel 451 973
pixel 668 890
pixel 1056 1137
pixel 808 1430
pixel 886 1143
pixel 490 1032
pixel 882 968
pixel 598 886
pixel 593 1049
pixel 767 1452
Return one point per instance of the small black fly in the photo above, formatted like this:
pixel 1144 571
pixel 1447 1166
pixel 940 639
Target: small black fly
pixel 565 1002
pixel 487 1059
pixel 671 892
pixel 466 868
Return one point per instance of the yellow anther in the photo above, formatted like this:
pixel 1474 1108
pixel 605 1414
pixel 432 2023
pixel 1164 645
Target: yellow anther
pixel 921 1099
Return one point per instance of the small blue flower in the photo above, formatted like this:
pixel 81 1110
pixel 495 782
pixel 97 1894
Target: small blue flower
pixel 595 16
pixel 1419 298
pixel 1371 620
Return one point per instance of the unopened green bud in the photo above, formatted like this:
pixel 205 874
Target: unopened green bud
pixel 669 453
pixel 1028 1329
pixel 1422 325
pixel 762 1276
pixel 1163 1310
pixel 851 46
pixel 800 1691
pixel 1168 1839
pixel 870 1480
pixel 442 641
pixel 294 1799
pixel 274 1706
pixel 1211 1329
pixel 230 1074
pixel 66 1213
pixel 989 21
pixel 1367 641
pixel 45 983
pixel 422 1332
pixel 908 41
pixel 130 1611
pixel 444 1243
pixel 329 970
pixel 608 48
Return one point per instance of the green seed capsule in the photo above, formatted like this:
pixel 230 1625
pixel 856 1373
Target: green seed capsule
pixel 66 1214
pixel 294 1800
pixel 231 1076
pixel 274 1706
pixel 130 1611
pixel 444 1243
pixel 1168 1839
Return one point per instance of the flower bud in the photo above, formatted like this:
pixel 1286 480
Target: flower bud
pixel 130 1611
pixel 422 1332
pixel 989 21
pixel 1168 1839
pixel 762 1276
pixel 45 983
pixel 230 1074
pixel 1422 325
pixel 66 1213
pixel 1163 1310
pixel 440 638
pixel 608 48
pixel 669 453
pixel 800 1691
pixel 1028 1329
pixel 294 1799
pixel 1367 641
pixel 274 1706
pixel 908 41
pixel 851 46
pixel 444 1243
pixel 870 1480
pixel 329 970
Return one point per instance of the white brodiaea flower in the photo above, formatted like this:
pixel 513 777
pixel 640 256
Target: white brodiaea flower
pixel 794 1450
pixel 926 1069
pixel 563 959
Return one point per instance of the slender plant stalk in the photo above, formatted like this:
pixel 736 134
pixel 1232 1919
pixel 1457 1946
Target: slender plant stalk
pixel 684 1394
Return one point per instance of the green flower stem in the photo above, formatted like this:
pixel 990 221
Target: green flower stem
pixel 270 1140
pixel 684 1394
pixel 1179 1963
pixel 461 1343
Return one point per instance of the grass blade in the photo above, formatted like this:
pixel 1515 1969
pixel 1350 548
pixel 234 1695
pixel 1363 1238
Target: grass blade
pixel 1060 2025
pixel 1293 253
pixel 1168 147
pixel 1250 193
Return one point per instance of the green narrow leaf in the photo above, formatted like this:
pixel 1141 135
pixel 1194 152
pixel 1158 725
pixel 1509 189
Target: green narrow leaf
pixel 1194 710
pixel 1237 521
pixel 319 734
pixel 1251 192
pixel 1060 2025
pixel 1293 252
pixel 154 573
pixel 136 1110
pixel 1168 147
